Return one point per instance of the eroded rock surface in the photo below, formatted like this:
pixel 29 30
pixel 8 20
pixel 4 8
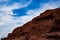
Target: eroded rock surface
pixel 46 26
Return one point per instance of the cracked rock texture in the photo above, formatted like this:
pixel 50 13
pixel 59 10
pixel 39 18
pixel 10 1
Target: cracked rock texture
pixel 46 26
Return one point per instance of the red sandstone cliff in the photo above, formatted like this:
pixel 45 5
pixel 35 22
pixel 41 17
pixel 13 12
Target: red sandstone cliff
pixel 46 26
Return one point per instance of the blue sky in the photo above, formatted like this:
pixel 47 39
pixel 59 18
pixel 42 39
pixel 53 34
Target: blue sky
pixel 15 13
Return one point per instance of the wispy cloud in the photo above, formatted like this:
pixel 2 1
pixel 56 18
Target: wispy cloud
pixel 7 21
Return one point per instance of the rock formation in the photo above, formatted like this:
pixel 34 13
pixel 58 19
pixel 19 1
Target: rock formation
pixel 46 26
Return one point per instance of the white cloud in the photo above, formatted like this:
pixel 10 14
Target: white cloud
pixel 7 21
pixel 10 8
pixel 13 6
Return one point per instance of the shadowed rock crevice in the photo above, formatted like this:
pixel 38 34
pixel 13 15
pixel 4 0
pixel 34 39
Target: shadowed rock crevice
pixel 54 37
pixel 55 29
pixel 57 22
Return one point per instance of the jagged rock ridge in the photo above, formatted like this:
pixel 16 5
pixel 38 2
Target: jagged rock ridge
pixel 46 26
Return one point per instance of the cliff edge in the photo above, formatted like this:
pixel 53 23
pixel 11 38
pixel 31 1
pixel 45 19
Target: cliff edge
pixel 46 26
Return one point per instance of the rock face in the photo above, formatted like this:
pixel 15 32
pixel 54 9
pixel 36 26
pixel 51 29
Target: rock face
pixel 46 26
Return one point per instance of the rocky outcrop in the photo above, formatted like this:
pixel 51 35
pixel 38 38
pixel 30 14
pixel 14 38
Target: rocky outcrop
pixel 46 26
